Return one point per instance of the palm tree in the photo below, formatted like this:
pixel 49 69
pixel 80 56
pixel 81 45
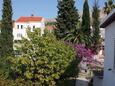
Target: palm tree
pixel 78 37
pixel 109 5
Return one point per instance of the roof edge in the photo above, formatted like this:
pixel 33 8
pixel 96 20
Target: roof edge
pixel 18 20
pixel 108 20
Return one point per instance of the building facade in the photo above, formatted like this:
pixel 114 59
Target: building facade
pixel 109 64
pixel 21 25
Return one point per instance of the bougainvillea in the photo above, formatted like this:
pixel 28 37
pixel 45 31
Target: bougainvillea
pixel 84 53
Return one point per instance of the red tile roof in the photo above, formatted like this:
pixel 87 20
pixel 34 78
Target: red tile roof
pixel 51 27
pixel 29 19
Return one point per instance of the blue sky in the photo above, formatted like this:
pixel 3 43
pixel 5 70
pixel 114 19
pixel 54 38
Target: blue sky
pixel 45 8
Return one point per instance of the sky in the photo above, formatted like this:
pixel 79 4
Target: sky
pixel 44 8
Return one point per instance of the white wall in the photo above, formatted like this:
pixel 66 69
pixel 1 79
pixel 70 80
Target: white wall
pixel 102 33
pixel 109 75
pixel 22 31
pixel 16 33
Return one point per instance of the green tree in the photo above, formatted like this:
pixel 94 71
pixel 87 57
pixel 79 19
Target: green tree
pixel 85 25
pixel 0 43
pixel 4 68
pixel 67 18
pixel 109 5
pixel 44 59
pixel 95 25
pixel 6 29
pixel 86 19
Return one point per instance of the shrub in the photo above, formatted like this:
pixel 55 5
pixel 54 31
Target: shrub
pixel 84 53
pixel 17 82
pixel 44 59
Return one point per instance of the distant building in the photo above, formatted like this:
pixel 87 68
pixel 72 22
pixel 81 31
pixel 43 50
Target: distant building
pixel 50 24
pixel 50 20
pixel 21 25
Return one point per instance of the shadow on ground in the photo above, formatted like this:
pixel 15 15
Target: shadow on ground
pixel 67 83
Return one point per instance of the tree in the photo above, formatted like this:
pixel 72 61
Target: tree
pixel 109 5
pixel 95 25
pixel 6 29
pixel 85 25
pixel 0 43
pixel 86 19
pixel 67 18
pixel 43 60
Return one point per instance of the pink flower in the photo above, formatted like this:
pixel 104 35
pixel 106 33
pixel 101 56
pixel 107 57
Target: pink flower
pixel 83 52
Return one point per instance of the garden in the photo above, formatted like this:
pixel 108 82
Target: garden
pixel 52 59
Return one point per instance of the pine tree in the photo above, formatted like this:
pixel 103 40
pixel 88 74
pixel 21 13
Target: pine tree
pixel 95 25
pixel 86 19
pixel 6 29
pixel 67 18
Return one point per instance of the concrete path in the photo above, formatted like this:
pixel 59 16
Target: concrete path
pixel 81 82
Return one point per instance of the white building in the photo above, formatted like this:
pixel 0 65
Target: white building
pixel 109 64
pixel 23 23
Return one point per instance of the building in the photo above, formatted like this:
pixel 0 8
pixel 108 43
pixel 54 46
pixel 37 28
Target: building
pixel 21 25
pixel 109 64
pixel 50 24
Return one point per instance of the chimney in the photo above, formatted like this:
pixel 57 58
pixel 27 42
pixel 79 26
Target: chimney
pixel 32 15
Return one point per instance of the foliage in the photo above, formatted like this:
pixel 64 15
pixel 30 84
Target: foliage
pixel 0 44
pixel 77 37
pixel 109 5
pixel 86 19
pixel 6 29
pixel 43 60
pixel 18 82
pixel 85 26
pixel 50 23
pixel 67 18
pixel 83 52
pixel 4 68
pixel 95 26
pixel 72 70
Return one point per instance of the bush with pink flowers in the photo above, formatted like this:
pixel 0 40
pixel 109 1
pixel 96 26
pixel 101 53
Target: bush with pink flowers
pixel 84 53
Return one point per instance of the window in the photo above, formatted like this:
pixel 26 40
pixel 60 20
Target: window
pixel 17 26
pixel 28 26
pixel 21 26
pixel 33 27
pixel 19 35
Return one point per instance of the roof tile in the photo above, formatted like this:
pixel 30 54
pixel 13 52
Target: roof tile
pixel 29 19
